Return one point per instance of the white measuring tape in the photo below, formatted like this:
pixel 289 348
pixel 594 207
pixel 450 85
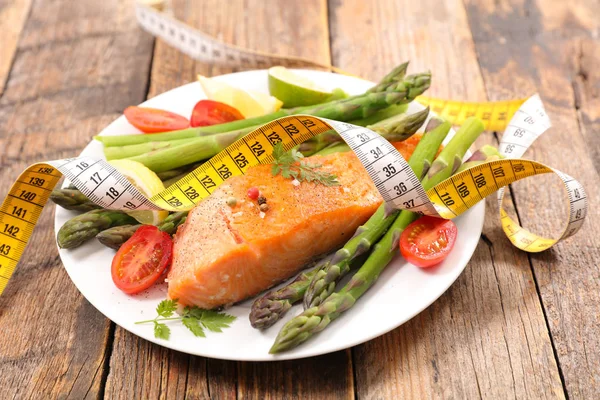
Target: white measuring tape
pixel 203 47
pixel 530 122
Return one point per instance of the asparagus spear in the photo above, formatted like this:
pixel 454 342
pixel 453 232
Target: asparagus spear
pixel 272 306
pixel 333 148
pixel 394 75
pixel 485 153
pixel 394 129
pixel 177 172
pixel 450 158
pixel 345 110
pixel 85 226
pixel 118 152
pixel 315 319
pixel 72 199
pixel 269 308
pixel 172 222
pixel 390 135
pixel 362 106
pixel 324 281
pixel 199 149
pixel 386 113
pixel 128 140
pixel 400 127
pixel 175 178
pixel 115 237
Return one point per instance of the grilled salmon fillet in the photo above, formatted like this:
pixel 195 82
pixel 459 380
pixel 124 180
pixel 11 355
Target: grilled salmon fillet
pixel 225 254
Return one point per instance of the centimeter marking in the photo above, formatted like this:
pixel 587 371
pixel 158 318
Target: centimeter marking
pixel 390 173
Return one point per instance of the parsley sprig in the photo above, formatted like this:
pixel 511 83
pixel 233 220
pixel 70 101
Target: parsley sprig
pixel 193 318
pixel 291 165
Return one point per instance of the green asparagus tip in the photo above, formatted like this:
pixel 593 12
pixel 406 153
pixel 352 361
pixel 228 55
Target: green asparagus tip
pixel 434 122
pixel 484 153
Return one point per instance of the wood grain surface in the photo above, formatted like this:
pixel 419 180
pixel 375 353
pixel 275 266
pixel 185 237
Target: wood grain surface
pixel 13 14
pixel 76 67
pixel 567 275
pixel 514 325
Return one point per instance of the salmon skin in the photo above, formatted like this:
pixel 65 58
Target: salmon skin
pixel 224 254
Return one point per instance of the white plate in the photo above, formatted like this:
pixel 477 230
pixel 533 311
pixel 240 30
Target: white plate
pixel 401 292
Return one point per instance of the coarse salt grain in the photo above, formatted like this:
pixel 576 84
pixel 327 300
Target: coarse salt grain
pixel 296 182
pixel 262 214
pixel 346 190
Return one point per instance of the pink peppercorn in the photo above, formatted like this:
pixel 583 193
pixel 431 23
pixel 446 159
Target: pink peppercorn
pixel 253 193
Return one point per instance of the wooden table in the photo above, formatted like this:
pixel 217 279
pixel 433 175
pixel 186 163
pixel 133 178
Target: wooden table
pixel 514 325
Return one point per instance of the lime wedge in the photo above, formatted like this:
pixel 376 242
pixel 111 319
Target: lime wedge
pixel 147 182
pixel 296 90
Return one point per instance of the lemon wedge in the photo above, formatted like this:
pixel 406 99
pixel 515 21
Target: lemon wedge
pixel 249 103
pixel 146 182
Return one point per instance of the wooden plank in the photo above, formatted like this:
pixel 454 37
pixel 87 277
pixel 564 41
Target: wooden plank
pixel 300 29
pixel 587 99
pixel 69 79
pixel 553 46
pixel 324 377
pixel 13 14
pixel 486 336
pixel 152 371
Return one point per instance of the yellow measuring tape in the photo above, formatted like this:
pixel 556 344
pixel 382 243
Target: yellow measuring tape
pixel 392 175
pixel 495 115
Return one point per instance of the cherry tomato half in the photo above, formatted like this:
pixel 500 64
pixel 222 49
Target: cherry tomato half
pixel 142 259
pixel 428 241
pixel 153 120
pixel 209 112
